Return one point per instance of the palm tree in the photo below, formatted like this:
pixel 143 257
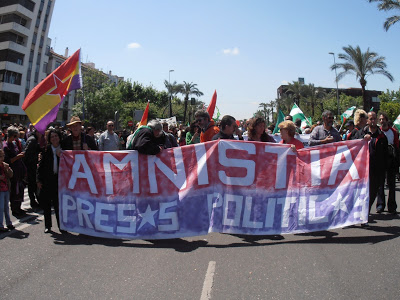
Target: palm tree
pixel 385 5
pixel 187 90
pixel 296 89
pixel 173 89
pixel 313 96
pixel 362 65
pixel 264 110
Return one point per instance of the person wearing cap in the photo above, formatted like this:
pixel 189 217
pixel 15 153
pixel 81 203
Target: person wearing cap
pixel 350 127
pixel 77 140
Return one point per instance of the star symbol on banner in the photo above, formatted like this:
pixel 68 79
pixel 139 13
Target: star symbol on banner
pixel 339 204
pixel 61 88
pixel 148 217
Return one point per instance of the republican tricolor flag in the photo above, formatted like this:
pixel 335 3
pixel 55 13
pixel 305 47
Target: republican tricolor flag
pixel 42 103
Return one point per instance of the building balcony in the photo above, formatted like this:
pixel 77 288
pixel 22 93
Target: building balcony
pixel 14 46
pixel 10 66
pixel 18 8
pixel 16 28
pixel 13 88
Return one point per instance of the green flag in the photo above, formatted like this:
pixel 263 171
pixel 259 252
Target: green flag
pixel 347 114
pixel 281 118
pixel 396 123
pixel 297 113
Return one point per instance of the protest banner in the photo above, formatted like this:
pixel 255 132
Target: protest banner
pixel 220 186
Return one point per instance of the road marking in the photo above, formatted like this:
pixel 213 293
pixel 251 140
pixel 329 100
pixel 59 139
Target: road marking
pixel 208 281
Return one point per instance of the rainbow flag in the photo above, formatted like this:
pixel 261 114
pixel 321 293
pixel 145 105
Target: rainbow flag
pixel 143 121
pixel 42 103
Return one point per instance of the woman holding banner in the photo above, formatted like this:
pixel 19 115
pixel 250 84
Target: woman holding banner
pixel 47 179
pixel 256 131
pixel 288 130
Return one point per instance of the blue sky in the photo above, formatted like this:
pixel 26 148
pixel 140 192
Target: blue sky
pixel 243 49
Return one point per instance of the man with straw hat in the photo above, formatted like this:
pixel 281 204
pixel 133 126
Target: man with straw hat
pixel 77 140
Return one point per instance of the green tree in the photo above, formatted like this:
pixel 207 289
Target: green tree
pixel 392 109
pixel 296 91
pixel 187 90
pixel 386 5
pixel 312 98
pixel 390 96
pixel 173 89
pixel 362 64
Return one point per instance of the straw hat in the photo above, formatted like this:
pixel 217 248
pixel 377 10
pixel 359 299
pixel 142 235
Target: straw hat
pixel 74 120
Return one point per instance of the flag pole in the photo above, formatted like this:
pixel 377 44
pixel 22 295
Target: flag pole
pixel 83 95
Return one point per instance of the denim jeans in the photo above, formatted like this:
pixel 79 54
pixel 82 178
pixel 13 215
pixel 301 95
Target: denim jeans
pixel 4 209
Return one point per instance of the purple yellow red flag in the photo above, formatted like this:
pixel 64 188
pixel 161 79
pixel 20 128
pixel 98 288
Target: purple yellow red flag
pixel 43 102
pixel 211 106
pixel 143 121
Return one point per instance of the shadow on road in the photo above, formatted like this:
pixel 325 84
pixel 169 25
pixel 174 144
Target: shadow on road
pixel 179 245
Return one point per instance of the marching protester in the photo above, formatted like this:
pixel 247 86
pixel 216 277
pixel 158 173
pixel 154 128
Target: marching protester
pixel 349 128
pixel 360 121
pixel 325 133
pixel 228 127
pixel 109 140
pixel 5 174
pixel 288 130
pixel 77 140
pixel 208 128
pixel 47 179
pixel 170 140
pixel 193 135
pixel 378 147
pixel 149 139
pixel 256 131
pixel 31 159
pixel 392 165
pixel 14 158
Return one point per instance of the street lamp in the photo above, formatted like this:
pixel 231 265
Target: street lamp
pixel 337 87
pixel 170 94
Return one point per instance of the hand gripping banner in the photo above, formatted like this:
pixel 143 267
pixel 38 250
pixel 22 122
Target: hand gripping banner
pixel 221 186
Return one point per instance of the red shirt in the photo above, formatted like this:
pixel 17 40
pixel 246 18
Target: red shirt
pixel 299 145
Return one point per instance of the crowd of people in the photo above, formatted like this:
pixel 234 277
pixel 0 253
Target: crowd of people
pixel 29 158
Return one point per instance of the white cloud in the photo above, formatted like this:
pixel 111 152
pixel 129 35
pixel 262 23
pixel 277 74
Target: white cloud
pixel 231 51
pixel 284 82
pixel 343 86
pixel 134 46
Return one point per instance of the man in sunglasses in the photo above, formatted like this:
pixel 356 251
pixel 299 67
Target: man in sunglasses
pixel 325 133
pixel 109 140
pixel 208 128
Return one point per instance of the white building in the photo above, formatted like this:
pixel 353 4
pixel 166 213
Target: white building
pixel 24 53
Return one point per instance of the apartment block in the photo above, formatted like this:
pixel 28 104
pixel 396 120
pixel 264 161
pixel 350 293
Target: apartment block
pixel 24 53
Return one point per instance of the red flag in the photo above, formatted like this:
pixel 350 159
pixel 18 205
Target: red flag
pixel 211 106
pixel 143 122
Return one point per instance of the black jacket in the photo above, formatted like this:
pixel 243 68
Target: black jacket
pixel 146 143
pixel 45 173
pixel 67 144
pixel 378 150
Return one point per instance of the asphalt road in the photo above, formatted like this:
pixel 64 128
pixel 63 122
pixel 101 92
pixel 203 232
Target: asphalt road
pixel 350 263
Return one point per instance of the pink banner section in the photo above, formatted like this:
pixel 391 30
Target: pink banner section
pixel 220 186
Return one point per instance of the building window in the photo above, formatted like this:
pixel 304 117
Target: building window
pixel 11 37
pixel 376 99
pixel 9 98
pixel 28 4
pixel 10 77
pixel 11 56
